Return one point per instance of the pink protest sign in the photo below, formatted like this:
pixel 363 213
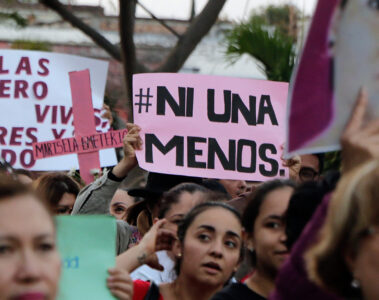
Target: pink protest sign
pixel 339 57
pixel 83 121
pixel 210 126
pixel 84 144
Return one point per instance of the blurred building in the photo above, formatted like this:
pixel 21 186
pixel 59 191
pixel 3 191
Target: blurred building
pixel 153 41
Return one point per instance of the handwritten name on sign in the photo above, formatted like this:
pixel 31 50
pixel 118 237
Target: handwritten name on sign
pixel 208 126
pixel 36 106
pixel 84 144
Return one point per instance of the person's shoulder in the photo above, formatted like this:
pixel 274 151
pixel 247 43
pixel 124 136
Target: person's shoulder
pixel 140 289
pixel 237 291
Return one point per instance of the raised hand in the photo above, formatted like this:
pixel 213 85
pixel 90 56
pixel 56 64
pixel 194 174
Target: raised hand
pixel 359 141
pixel 120 284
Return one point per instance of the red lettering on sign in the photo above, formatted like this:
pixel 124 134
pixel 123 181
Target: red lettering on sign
pixel 20 88
pixel 30 134
pixel 24 65
pixel 58 135
pixel 2 69
pixel 4 87
pixel 3 133
pixel 42 64
pixel 16 136
pixel 40 93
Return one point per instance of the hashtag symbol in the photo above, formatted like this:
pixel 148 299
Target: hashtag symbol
pixel 141 103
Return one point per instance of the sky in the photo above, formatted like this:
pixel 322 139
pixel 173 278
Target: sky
pixel 234 10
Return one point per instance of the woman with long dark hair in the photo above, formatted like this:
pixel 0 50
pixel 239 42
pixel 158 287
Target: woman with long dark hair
pixel 263 221
pixel 207 251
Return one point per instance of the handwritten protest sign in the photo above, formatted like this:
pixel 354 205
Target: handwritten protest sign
pixel 339 57
pixel 84 144
pixel 35 99
pixel 87 248
pixel 209 126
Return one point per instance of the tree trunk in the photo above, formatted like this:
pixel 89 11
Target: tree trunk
pixel 126 23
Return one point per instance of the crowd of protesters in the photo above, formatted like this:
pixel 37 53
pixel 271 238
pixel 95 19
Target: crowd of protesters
pixel 314 236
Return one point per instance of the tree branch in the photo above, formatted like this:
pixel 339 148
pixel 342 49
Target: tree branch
pixel 163 23
pixel 98 39
pixel 195 32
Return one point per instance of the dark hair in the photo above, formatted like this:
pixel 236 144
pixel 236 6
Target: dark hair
pixel 145 205
pixel 343 4
pixel 191 216
pixel 303 203
pixel 216 186
pixel 52 186
pixel 172 196
pixel 255 200
pixel 23 172
pixel 212 196
pixel 10 187
pixel 321 159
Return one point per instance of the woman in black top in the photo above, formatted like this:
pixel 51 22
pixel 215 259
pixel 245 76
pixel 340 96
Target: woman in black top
pixel 263 221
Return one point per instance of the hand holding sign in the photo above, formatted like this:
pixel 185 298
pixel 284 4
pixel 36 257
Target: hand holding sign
pixel 131 143
pixel 120 284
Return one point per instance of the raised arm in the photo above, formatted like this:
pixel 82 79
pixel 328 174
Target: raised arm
pixel 156 239
pixel 96 197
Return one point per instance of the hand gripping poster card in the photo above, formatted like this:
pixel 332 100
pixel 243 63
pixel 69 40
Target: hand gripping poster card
pixel 210 126
pixel 36 105
pixel 340 56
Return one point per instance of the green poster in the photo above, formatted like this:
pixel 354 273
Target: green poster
pixel 87 245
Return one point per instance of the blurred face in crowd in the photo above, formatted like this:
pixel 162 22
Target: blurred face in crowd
pixel 309 169
pixel 365 265
pixel 121 201
pixel 268 237
pixel 234 187
pixel 29 261
pixel 24 179
pixel 66 204
pixel 178 210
